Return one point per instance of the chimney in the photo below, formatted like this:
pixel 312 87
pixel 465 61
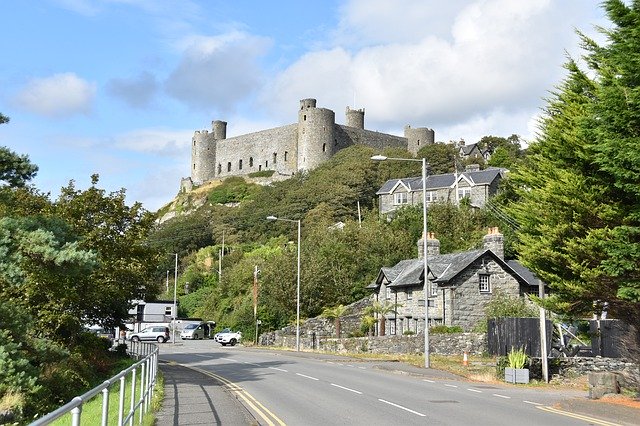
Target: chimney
pixel 433 246
pixel 494 241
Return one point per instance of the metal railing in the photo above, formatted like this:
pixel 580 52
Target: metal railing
pixel 147 366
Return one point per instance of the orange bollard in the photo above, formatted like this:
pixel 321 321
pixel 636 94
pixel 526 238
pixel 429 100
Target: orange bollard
pixel 465 359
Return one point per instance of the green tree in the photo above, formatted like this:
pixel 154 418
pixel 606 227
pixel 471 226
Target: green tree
pixel 442 157
pixel 381 310
pixel 335 313
pixel 579 199
pixel 15 170
pixel 3 118
pixel 117 233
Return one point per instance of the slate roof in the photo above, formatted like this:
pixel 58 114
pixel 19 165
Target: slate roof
pixel 467 149
pixel 444 268
pixel 447 180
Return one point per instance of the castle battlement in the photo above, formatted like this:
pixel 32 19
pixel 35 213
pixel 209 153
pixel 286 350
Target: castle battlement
pixel 289 149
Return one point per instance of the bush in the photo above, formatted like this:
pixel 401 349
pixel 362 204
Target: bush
pixel 409 332
pixel 443 329
pixel 517 358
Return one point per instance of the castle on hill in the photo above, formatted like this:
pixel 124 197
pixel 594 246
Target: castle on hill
pixel 286 150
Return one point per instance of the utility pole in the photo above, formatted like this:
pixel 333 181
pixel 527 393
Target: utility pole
pixel 255 300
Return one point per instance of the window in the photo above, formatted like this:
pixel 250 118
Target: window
pixel 194 143
pixel 392 327
pixel 464 192
pixel 304 117
pixel 229 166
pixel 431 303
pixel 409 294
pixel 324 147
pixel 433 289
pixel 400 198
pixel 275 158
pixel 266 164
pixel 194 166
pixel 484 283
pixel 286 154
pixel 388 293
pixel 219 168
pixel 240 165
pixel 168 310
pixel 431 196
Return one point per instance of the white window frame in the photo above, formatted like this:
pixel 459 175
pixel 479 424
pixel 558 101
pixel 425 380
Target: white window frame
pixel 400 198
pixel 431 196
pixel 433 290
pixel 168 310
pixel 387 293
pixel 464 192
pixel 484 283
pixel 409 294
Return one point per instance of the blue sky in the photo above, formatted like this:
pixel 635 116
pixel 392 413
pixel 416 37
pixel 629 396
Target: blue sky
pixel 117 87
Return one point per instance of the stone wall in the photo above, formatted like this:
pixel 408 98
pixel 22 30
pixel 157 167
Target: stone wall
pixel 440 344
pixel 579 366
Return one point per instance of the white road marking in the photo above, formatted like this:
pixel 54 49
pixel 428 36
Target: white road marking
pixel 501 396
pixel 402 408
pixel 474 390
pixel 531 402
pixel 347 389
pixel 349 365
pixel 362 368
pixel 430 381
pixel 308 377
pixel 451 386
pixel 279 369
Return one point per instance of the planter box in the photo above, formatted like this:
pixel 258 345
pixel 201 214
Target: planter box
pixel 516 375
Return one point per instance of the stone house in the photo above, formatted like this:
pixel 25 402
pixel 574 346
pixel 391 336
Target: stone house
pixel 459 288
pixel 472 151
pixel 475 184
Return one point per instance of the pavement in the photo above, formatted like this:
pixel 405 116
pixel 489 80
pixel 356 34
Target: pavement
pixel 194 398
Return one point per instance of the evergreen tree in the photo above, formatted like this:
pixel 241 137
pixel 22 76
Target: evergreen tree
pixel 579 198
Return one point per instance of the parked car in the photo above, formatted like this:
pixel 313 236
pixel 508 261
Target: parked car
pixel 193 331
pixel 157 333
pixel 228 337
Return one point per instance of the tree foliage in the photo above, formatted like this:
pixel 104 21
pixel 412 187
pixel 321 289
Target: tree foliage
pixel 578 195
pixel 15 170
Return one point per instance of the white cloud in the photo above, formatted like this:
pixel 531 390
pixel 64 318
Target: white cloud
pixel 171 143
pixel 137 92
pixel 495 58
pixel 217 72
pixel 61 95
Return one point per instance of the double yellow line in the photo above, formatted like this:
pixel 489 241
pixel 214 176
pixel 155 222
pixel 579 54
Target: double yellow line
pixel 262 411
pixel 578 416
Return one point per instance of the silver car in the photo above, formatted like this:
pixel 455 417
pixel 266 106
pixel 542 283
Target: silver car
pixel 157 333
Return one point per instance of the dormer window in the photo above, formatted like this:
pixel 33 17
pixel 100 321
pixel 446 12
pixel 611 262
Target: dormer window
pixel 400 198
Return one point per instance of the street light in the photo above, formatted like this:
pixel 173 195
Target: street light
pixel 424 247
pixel 175 290
pixel 298 280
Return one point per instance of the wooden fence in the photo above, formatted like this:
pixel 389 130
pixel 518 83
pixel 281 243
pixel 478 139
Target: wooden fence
pixel 506 333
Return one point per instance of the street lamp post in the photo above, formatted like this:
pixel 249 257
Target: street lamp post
pixel 298 281
pixel 424 248
pixel 175 304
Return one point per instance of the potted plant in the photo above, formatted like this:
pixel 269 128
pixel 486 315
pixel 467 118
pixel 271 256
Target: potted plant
pixel 515 372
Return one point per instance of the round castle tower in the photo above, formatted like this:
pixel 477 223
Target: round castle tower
pixel 355 118
pixel 316 134
pixel 418 137
pixel 203 152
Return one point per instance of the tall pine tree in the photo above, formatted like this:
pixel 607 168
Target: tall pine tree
pixel 579 189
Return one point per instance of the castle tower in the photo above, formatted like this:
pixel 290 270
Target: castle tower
pixel 355 118
pixel 219 129
pixel 203 156
pixel 418 137
pixel 316 134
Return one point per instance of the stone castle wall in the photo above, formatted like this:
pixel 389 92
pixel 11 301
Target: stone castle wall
pixel 314 139
pixel 257 150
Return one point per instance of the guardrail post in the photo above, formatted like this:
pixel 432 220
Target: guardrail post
pixel 133 396
pixel 76 413
pixel 105 406
pixel 121 402
pixel 142 392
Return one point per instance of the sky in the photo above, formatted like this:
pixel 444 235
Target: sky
pixel 118 87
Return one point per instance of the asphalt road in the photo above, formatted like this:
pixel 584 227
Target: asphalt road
pixel 280 387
